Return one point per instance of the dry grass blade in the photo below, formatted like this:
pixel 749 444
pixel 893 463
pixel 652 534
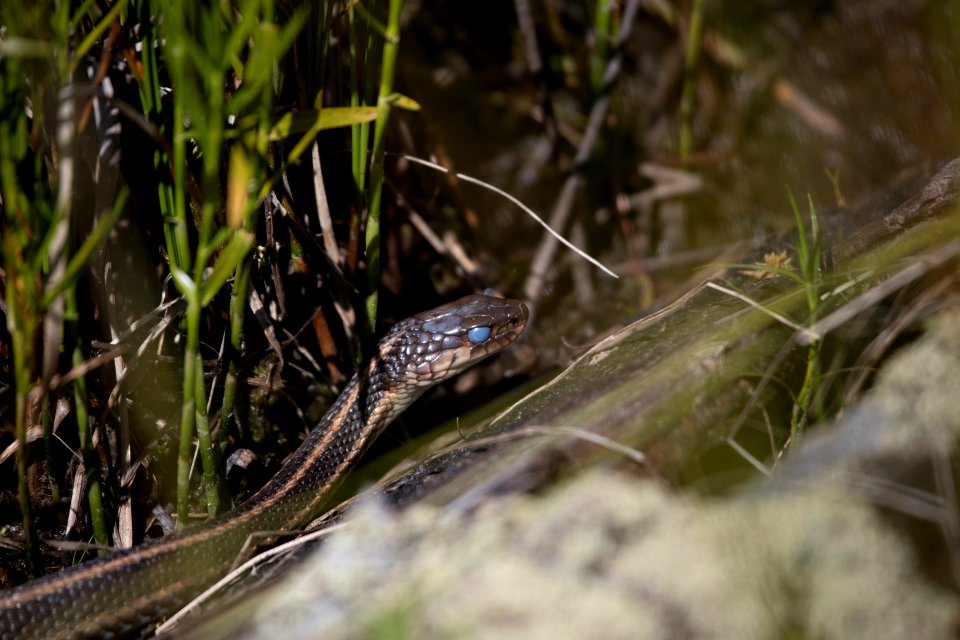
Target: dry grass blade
pixel 242 570
pixel 530 212
pixel 914 271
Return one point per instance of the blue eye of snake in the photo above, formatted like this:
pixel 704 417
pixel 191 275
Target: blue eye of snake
pixel 478 334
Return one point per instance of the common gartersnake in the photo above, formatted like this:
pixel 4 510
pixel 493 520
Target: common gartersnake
pixel 133 588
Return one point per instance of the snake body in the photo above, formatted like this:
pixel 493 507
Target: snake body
pixel 132 589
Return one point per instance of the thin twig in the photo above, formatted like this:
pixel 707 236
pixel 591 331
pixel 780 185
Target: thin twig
pixel 749 457
pixel 278 290
pixel 448 247
pixel 475 495
pixel 668 183
pixel 323 205
pixel 82 369
pixel 551 431
pixel 240 571
pixel 925 305
pixel 874 295
pixel 756 305
pixel 154 334
pixel 589 436
pixel 174 306
pixel 899 497
pixel 530 212
pixel 76 545
pixel 564 203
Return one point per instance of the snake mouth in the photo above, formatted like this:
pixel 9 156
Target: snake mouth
pixel 517 315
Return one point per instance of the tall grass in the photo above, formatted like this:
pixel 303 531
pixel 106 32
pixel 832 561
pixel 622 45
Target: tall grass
pixel 208 77
pixel 41 266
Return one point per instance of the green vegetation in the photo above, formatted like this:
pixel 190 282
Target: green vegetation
pixel 197 250
pixel 207 80
pixel 810 278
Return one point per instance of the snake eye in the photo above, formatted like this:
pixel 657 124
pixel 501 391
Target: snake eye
pixel 478 334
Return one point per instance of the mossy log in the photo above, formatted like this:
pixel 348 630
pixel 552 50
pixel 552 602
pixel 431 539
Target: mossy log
pixel 622 497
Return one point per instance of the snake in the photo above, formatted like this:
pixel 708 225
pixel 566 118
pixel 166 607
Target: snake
pixel 129 591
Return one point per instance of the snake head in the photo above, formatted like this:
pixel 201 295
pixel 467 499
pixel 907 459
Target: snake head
pixel 437 344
